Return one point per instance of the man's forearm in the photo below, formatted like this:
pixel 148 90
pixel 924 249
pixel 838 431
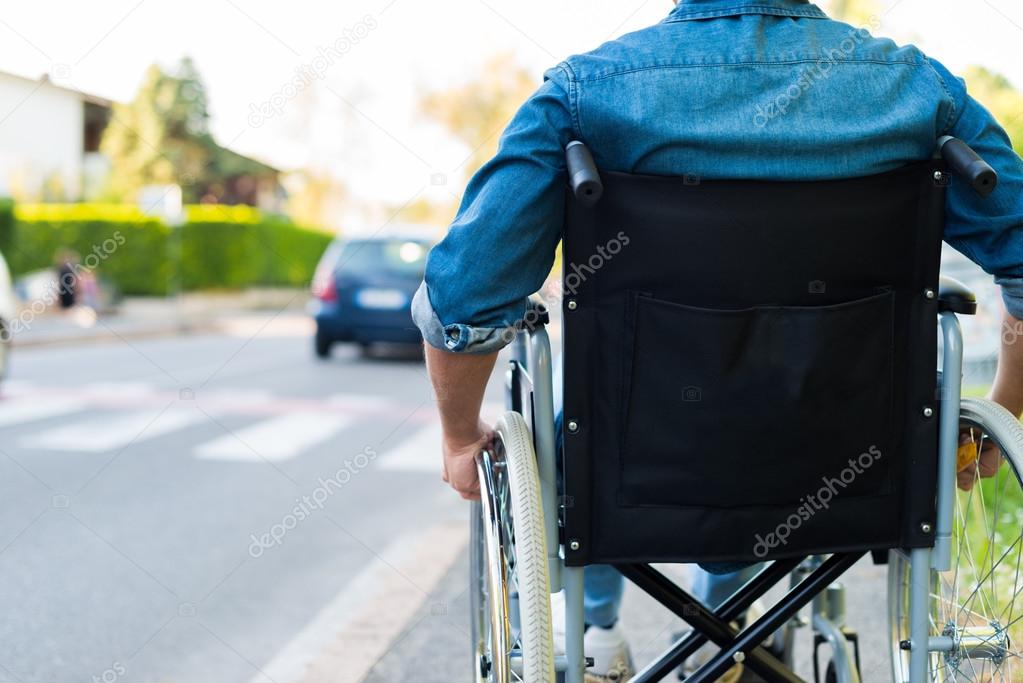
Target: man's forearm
pixel 459 380
pixel 1008 386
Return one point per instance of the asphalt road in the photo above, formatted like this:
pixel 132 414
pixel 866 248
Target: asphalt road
pixel 224 508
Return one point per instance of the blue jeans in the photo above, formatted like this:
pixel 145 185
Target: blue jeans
pixel 603 585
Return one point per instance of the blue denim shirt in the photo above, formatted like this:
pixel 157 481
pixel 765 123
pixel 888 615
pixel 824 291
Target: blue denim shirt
pixel 761 89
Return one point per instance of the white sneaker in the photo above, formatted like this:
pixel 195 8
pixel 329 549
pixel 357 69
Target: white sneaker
pixel 612 659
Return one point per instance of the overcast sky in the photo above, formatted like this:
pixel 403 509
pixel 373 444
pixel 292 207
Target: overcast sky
pixel 359 120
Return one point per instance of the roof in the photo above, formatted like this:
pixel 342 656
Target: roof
pixel 232 163
pixel 46 80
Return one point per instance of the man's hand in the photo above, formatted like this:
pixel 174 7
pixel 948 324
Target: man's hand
pixel 1007 391
pixel 986 465
pixel 460 461
pixel 459 381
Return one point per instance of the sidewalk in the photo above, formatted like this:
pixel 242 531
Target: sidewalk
pixel 137 317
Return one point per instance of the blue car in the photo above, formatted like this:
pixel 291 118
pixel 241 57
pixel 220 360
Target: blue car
pixel 363 289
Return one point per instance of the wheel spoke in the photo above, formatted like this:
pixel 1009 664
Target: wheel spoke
pixel 975 600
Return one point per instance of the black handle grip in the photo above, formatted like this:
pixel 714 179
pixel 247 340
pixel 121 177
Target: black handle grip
pixel 583 177
pixel 968 165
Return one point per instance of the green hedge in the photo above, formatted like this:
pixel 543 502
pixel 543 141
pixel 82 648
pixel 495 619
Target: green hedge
pixel 219 247
pixel 6 223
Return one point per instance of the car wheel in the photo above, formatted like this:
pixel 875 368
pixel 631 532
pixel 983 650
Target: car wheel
pixel 321 345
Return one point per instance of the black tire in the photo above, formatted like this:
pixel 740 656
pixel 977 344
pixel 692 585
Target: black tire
pixel 321 345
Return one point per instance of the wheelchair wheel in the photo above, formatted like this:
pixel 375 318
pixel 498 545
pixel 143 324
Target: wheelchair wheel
pixel 510 596
pixel 976 602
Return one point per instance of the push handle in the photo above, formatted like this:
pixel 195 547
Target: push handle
pixel 582 174
pixel 968 165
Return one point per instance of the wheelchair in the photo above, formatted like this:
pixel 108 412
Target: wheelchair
pixel 752 375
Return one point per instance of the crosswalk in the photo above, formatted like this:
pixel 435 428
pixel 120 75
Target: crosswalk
pixel 279 438
pixel 236 426
pixel 19 411
pixel 113 432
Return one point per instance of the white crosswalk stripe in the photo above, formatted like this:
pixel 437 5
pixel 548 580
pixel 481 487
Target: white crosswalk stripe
pixel 279 438
pixel 117 388
pixel 15 411
pixel 111 433
pixel 359 401
pixel 107 416
pixel 418 453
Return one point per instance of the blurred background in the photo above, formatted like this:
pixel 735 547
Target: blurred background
pixel 218 446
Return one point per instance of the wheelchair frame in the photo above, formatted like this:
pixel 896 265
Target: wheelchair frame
pixel 812 578
pixel 530 374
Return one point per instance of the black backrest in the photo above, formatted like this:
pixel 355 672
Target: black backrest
pixel 750 366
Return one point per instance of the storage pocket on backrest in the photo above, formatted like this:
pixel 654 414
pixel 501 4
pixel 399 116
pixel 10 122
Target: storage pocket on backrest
pixel 758 406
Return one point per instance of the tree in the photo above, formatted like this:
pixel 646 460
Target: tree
pixel 162 136
pixel 478 111
pixel 315 197
pixel 855 12
pixel 990 88
pixel 995 92
pixel 474 113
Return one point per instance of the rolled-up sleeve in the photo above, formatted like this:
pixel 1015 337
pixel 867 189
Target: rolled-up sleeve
pixel 501 245
pixel 988 230
pixel 1012 294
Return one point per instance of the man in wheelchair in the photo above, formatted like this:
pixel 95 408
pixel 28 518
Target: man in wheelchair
pixel 721 90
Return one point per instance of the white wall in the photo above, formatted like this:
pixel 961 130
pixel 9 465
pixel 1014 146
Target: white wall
pixel 41 131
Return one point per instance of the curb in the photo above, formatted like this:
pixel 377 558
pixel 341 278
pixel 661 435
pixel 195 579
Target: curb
pixel 106 335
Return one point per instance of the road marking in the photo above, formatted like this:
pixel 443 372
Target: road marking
pixel 19 410
pixel 117 389
pixel 279 438
pixel 420 452
pixel 417 453
pixel 356 628
pixel 229 401
pixel 360 403
pixel 105 433
pixel 14 387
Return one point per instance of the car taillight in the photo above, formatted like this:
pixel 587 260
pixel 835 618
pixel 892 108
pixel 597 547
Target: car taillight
pixel 324 287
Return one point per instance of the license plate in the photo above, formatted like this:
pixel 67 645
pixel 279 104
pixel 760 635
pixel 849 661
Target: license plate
pixel 381 298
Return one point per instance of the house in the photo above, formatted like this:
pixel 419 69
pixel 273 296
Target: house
pixel 49 139
pixel 50 150
pixel 242 180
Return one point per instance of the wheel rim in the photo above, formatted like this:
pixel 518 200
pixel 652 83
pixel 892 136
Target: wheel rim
pixel 976 603
pixel 494 614
pixel 478 609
